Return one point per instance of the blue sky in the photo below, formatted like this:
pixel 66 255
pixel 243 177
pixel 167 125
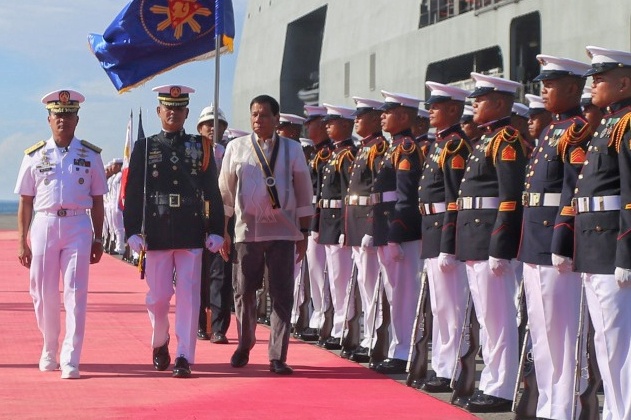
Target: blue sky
pixel 44 48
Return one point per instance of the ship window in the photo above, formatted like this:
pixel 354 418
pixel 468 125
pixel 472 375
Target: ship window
pixel 373 72
pixel 525 44
pixel 347 79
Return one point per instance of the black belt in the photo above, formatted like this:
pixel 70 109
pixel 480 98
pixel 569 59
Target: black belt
pixel 175 200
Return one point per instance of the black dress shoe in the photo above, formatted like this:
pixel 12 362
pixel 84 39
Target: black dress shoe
pixel 239 358
pixel 161 357
pixel 391 366
pixel 308 334
pixel 181 369
pixel 260 320
pixel 360 355
pixel 346 353
pixel 280 368
pixel 483 403
pixel 332 344
pixel 202 335
pixel 218 338
pixel 437 384
pixel 321 342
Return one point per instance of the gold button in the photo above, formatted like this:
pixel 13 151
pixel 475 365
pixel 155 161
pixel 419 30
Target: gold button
pixel 599 229
pixel 477 220
pixel 174 168
pixel 435 223
pixel 545 223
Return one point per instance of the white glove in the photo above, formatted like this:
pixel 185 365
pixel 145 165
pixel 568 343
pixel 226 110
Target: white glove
pixel 315 235
pixel 499 266
pixel 623 277
pixel 136 243
pixel 394 252
pixel 214 243
pixel 340 240
pixel 367 241
pixel 563 264
pixel 446 262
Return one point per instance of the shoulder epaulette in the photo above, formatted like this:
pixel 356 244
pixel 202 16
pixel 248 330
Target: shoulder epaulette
pixel 35 147
pixel 619 131
pixel 576 134
pixel 509 135
pixel 90 146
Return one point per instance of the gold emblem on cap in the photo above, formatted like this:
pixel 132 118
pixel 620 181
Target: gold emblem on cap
pixel 64 97
pixel 175 91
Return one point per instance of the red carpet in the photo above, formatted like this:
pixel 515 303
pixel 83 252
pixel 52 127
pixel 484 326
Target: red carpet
pixel 118 380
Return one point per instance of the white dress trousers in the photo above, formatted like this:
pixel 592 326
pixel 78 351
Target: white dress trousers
pixel 60 245
pixel 448 292
pixel 494 300
pixel 339 262
pixel 610 310
pixel 553 303
pixel 159 269
pixel 320 295
pixel 367 276
pixel 402 286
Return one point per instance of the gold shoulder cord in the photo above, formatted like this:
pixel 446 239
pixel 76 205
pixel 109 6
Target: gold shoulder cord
pixel 446 152
pixel 507 134
pixel 573 136
pixel 322 156
pixel 401 149
pixel 345 154
pixel 619 131
pixel 377 149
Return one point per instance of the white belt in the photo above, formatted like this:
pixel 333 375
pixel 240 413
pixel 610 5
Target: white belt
pixel 314 200
pixel 383 197
pixel 469 203
pixel 432 208
pixel 598 203
pixel 329 204
pixel 540 199
pixel 358 200
pixel 63 212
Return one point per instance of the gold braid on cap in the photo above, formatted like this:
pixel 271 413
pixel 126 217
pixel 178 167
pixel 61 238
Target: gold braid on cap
pixel 407 147
pixel 446 152
pixel 507 134
pixel 574 135
pixel 322 156
pixel 619 131
pixel 377 149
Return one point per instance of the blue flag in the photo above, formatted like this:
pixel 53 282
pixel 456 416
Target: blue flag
pixel 149 37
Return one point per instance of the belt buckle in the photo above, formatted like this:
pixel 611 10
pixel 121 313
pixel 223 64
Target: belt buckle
pixel 62 212
pixel 574 204
pixel 174 200
pixel 421 208
pixel 525 198
pixel 321 203
pixel 600 202
pixel 459 203
pixel 535 199
pixel 352 200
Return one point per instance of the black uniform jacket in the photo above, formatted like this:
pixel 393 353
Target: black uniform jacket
pixel 603 238
pixel 399 172
pixel 553 168
pixel 320 156
pixel 439 185
pixel 176 192
pixel 495 170
pixel 335 176
pixel 359 220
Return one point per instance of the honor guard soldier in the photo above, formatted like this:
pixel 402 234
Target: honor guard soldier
pixel 437 194
pixel 329 227
pixel 116 214
pixel 166 195
pixel 359 227
pixel 290 126
pixel 519 120
pixel 321 320
pixel 591 112
pixel 62 181
pixel 469 127
pixel 420 129
pixel 538 116
pixel 216 284
pixel 397 232
pixel 487 236
pixel 553 295
pixel 602 251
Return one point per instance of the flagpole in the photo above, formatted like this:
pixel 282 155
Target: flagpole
pixel 218 34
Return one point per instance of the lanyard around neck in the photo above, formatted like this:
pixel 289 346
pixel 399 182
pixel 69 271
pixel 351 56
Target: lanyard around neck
pixel 268 169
